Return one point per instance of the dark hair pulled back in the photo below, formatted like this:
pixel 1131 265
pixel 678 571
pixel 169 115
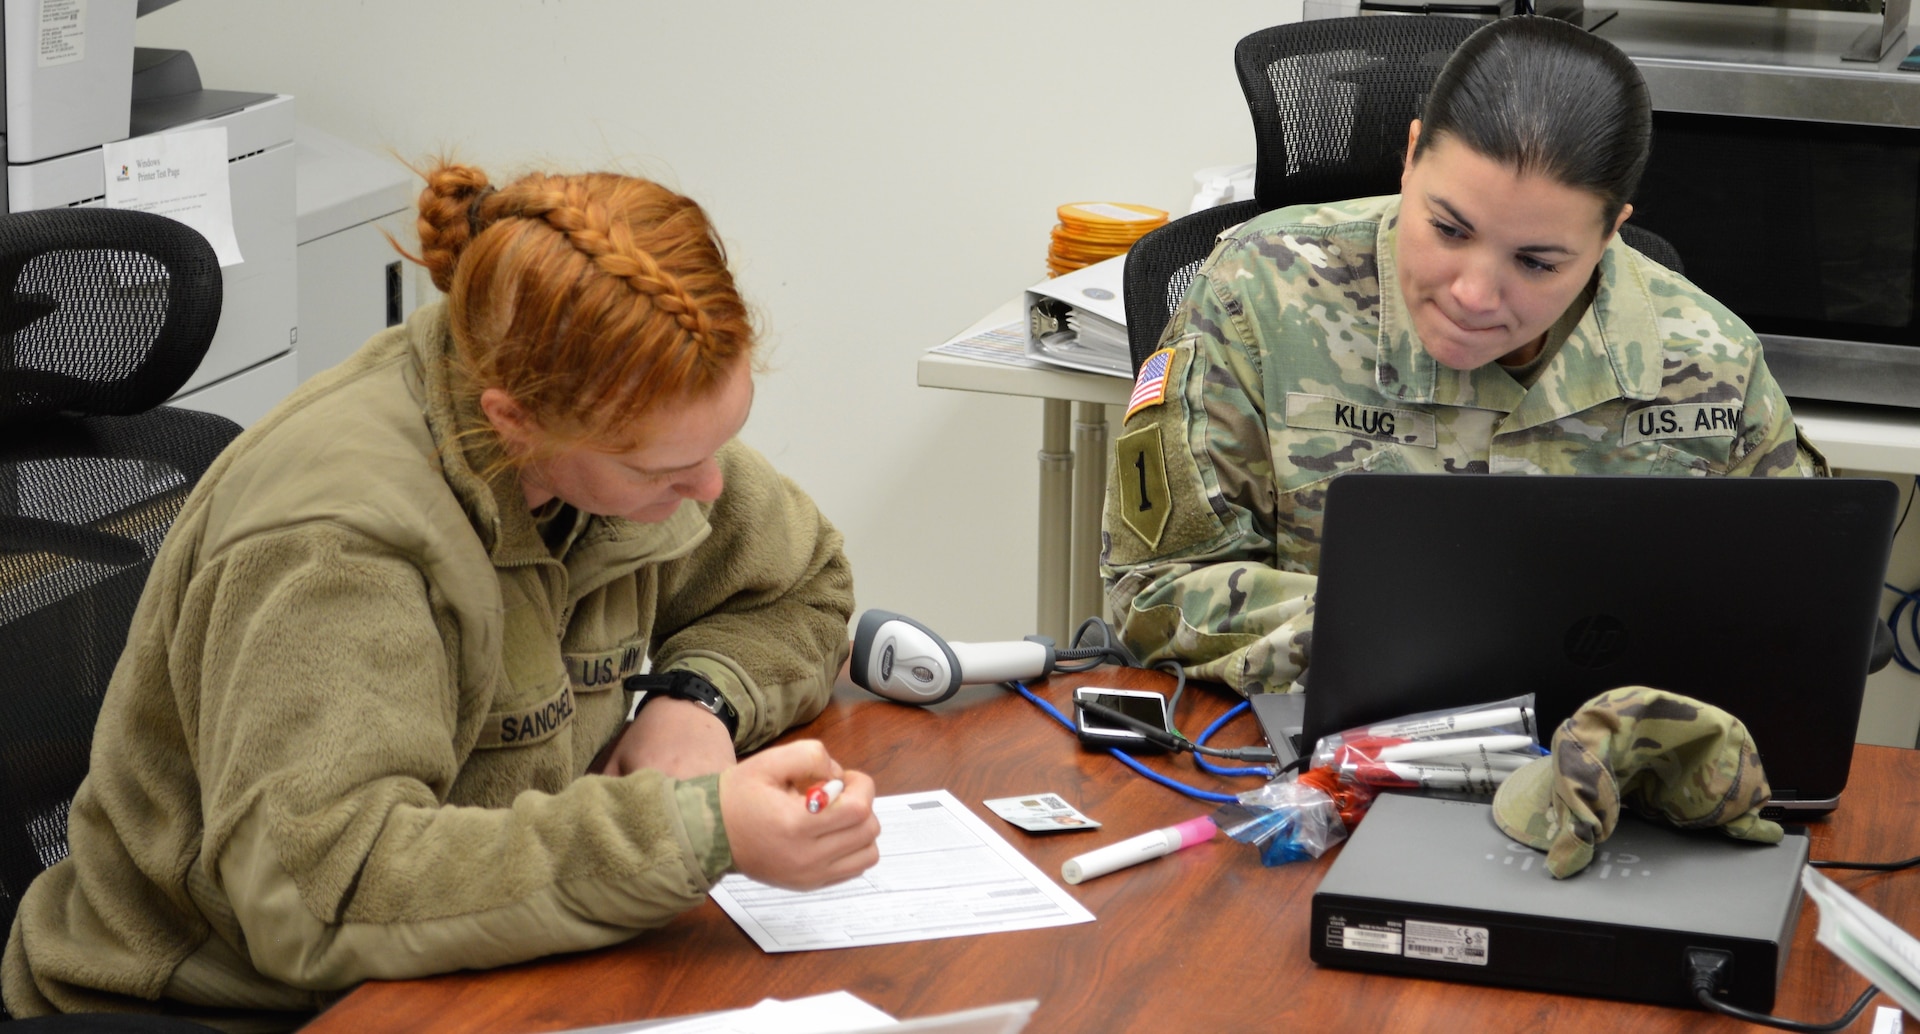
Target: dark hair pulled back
pixel 1545 97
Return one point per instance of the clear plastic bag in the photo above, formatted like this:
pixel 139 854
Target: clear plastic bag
pixel 1468 749
pixel 1292 820
pixel 1452 751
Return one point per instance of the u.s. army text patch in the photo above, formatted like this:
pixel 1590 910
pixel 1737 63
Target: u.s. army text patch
pixel 1690 420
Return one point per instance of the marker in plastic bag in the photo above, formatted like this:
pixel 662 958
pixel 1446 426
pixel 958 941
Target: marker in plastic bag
pixel 1403 774
pixel 1135 850
pixel 1420 750
pixel 819 795
pixel 1419 728
pixel 1500 762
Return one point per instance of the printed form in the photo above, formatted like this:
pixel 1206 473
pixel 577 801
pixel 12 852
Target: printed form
pixel 942 873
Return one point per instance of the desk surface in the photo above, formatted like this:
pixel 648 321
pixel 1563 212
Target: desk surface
pixel 1206 933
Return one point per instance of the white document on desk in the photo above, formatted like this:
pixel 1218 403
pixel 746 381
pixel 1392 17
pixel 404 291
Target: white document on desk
pixel 1005 345
pixel 942 873
pixel 1866 940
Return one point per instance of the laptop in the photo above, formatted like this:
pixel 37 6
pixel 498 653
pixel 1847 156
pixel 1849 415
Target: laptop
pixel 1758 595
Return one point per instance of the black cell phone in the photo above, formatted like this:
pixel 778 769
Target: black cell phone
pixel 1139 704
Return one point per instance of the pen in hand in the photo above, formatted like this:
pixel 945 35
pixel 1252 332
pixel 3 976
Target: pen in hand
pixel 819 795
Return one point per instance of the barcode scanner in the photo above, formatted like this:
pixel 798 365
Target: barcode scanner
pixel 901 659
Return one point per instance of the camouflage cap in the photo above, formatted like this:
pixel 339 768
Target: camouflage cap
pixel 1663 754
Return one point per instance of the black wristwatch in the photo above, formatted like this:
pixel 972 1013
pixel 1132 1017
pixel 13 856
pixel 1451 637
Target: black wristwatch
pixel 681 684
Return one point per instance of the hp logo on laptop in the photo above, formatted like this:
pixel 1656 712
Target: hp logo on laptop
pixel 1596 641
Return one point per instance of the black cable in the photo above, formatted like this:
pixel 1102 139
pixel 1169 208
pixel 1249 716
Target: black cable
pixel 1179 673
pixel 1707 999
pixel 1905 863
pixel 1907 599
pixel 1707 968
pixel 1109 650
pixel 1172 740
pixel 1908 508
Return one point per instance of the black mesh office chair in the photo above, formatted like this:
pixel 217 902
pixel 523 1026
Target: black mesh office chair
pixel 1160 268
pixel 103 315
pixel 1652 245
pixel 1331 100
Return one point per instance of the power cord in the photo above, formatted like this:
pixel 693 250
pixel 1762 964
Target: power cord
pixel 1093 644
pixel 1219 723
pixel 1707 970
pixel 1126 759
pixel 1175 741
pixel 1909 604
pixel 1905 863
pixel 1108 650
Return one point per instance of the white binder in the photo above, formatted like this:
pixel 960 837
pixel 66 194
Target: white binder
pixel 1079 320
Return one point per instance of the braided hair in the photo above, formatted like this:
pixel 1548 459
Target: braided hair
pixel 589 298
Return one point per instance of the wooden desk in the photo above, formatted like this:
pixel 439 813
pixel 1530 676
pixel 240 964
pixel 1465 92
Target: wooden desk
pixel 1206 939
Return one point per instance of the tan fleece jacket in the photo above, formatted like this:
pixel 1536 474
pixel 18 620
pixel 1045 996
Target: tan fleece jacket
pixel 348 736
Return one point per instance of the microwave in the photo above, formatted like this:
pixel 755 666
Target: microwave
pixel 1787 176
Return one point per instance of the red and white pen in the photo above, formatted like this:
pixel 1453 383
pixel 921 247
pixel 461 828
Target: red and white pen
pixel 819 795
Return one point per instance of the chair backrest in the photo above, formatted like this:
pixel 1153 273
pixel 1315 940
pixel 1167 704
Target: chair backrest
pixel 1160 268
pixel 1331 100
pixel 1652 245
pixel 103 314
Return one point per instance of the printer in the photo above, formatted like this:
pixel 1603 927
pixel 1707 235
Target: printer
pixel 74 81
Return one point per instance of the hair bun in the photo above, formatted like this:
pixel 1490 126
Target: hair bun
pixel 446 221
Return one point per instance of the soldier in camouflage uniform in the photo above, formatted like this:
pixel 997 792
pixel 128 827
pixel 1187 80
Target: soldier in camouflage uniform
pixel 1431 331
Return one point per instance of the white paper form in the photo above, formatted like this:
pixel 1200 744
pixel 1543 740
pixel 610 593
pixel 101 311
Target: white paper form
pixel 1006 345
pixel 838 1012
pixel 832 1013
pixel 942 873
pixel 182 176
pixel 1864 939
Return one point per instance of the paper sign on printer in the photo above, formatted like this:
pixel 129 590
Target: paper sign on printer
pixel 182 176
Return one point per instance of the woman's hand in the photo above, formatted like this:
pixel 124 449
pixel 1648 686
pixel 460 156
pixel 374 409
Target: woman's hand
pixel 677 737
pixel 776 840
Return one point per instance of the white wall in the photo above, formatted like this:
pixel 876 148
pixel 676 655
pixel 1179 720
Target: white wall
pixel 883 173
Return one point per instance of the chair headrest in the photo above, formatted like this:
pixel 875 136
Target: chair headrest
pixel 102 311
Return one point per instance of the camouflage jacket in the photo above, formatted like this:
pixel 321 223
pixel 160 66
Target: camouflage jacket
pixel 1293 360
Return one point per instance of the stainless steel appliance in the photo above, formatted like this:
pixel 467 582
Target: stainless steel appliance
pixel 1788 177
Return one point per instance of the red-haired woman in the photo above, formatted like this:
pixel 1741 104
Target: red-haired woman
pixel 372 718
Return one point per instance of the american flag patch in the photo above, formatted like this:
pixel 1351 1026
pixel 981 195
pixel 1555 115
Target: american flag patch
pixel 1151 387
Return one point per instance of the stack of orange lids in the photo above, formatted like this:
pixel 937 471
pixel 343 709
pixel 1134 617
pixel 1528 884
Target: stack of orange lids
pixel 1093 231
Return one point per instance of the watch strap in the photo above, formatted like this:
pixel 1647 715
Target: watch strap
pixel 681 684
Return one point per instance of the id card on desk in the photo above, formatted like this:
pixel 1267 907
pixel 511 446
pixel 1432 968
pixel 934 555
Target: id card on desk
pixel 942 873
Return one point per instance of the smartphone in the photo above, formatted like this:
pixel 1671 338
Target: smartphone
pixel 1139 704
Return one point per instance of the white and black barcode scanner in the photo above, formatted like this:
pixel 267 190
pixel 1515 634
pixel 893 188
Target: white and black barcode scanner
pixel 901 659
